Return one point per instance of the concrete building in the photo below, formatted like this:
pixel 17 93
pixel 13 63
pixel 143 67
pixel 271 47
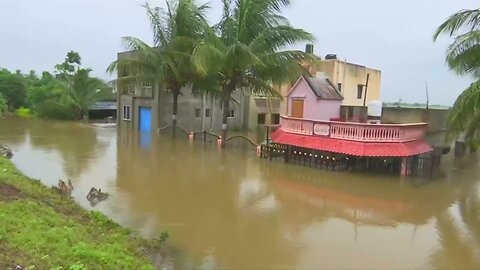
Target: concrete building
pixel 147 109
pixel 348 78
pixel 153 111
pixel 351 81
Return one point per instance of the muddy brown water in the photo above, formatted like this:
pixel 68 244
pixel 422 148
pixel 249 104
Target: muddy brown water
pixel 230 210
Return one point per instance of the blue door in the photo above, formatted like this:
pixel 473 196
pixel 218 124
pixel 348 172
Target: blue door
pixel 145 119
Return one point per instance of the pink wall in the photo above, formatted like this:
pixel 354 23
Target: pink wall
pixel 312 108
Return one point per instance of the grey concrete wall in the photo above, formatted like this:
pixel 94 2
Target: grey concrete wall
pixel 122 101
pixel 436 119
pixel 188 103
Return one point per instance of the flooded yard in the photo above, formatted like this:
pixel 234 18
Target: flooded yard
pixel 231 210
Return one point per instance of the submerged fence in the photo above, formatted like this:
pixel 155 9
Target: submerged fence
pixel 210 137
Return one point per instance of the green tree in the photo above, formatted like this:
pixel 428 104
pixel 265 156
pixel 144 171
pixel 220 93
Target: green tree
pixel 3 105
pixel 167 64
pixel 70 65
pixel 249 53
pixel 463 57
pixel 44 89
pixel 12 88
pixel 81 92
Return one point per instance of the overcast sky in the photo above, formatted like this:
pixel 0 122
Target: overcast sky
pixel 393 36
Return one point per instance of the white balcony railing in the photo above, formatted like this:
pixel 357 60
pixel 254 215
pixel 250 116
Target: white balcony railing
pixel 362 132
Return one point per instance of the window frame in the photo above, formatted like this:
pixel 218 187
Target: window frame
pixel 360 91
pixel 127 113
pixel 231 114
pixel 198 113
pixel 208 113
pixel 275 116
pixel 264 118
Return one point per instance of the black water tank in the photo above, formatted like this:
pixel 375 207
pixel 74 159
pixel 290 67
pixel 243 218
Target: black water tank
pixel 330 57
pixel 309 48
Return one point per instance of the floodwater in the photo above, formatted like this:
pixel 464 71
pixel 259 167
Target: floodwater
pixel 230 210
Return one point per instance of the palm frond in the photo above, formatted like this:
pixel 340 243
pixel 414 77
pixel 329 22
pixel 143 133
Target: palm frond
pixel 463 55
pixel 160 31
pixel 469 19
pixel 465 113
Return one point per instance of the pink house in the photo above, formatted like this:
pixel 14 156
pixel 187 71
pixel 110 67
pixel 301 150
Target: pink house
pixel 315 99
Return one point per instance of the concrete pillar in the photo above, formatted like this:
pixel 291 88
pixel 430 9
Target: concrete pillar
pixel 404 170
pixel 191 137
pixel 219 142
pixel 460 149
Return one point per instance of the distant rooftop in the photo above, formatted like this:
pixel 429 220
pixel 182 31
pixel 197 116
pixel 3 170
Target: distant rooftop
pixel 414 106
pixel 104 105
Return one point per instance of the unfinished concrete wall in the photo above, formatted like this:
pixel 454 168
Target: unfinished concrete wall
pixel 436 119
pixel 210 112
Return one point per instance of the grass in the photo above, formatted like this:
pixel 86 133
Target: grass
pixel 41 229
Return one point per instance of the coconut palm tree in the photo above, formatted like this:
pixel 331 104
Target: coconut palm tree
pixel 464 117
pixel 463 56
pixel 80 92
pixel 248 53
pixel 167 63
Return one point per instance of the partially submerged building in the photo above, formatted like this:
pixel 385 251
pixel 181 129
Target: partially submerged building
pixel 148 108
pixel 349 79
pixel 312 134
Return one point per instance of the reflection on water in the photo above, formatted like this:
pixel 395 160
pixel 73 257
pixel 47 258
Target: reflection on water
pixel 145 140
pixel 228 209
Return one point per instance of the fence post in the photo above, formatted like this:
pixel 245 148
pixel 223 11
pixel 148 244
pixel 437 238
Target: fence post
pixel 191 137
pixel 219 141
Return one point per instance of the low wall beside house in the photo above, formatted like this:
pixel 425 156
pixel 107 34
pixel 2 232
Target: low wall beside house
pixel 436 118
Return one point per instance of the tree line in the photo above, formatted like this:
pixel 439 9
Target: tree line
pixel 247 50
pixel 66 94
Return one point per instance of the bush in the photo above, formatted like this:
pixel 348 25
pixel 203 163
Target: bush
pixel 24 112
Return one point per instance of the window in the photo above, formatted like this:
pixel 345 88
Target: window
pixel 126 112
pixel 275 118
pixel 207 112
pixel 197 113
pixel 231 114
pixel 339 86
pixel 359 91
pixel 261 119
pixel 147 84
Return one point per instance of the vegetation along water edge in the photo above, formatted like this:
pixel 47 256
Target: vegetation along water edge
pixel 42 229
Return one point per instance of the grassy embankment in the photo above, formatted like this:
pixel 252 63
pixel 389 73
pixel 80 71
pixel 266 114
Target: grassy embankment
pixel 41 229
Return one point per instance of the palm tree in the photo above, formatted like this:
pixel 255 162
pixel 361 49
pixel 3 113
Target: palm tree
pixel 248 53
pixel 463 56
pixel 167 64
pixel 464 117
pixel 81 92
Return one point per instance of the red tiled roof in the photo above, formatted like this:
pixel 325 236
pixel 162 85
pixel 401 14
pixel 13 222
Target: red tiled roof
pixel 362 149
